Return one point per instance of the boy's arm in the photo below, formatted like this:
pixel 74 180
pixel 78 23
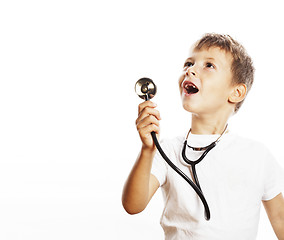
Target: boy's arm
pixel 275 212
pixel 141 184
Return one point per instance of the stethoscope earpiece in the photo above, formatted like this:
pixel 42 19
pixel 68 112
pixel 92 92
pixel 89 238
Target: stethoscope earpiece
pixel 145 88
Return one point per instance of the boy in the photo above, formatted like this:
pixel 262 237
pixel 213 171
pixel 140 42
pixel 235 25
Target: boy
pixel 235 176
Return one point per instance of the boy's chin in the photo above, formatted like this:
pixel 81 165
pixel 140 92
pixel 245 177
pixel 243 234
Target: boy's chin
pixel 195 107
pixel 190 108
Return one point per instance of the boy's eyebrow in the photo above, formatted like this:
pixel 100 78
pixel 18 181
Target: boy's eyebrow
pixel 209 58
pixel 190 58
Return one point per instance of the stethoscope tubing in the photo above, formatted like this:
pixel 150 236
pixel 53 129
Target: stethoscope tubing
pixel 196 186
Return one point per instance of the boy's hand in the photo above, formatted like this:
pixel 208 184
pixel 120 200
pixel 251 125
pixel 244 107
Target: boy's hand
pixel 147 122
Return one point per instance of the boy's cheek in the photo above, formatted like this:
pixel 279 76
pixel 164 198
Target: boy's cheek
pixel 180 88
pixel 181 78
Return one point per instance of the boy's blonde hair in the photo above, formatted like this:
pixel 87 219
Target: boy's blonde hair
pixel 242 66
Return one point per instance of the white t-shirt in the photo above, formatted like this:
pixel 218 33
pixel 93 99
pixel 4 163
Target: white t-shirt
pixel 235 177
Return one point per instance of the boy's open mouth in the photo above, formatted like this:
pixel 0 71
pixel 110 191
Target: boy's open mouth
pixel 190 88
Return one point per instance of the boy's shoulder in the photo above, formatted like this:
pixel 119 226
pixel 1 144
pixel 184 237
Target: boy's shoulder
pixel 173 142
pixel 172 145
pixel 246 139
pixel 249 144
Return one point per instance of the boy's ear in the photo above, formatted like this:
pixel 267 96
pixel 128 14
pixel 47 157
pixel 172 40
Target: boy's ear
pixel 238 93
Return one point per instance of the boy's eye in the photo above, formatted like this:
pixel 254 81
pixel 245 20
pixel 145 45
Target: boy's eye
pixel 210 65
pixel 188 64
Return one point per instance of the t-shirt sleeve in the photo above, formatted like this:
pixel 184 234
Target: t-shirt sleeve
pixel 159 167
pixel 273 178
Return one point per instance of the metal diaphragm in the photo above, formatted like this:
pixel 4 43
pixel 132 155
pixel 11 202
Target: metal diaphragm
pixel 145 88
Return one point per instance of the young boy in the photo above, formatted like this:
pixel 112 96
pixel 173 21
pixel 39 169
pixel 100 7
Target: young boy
pixel 235 176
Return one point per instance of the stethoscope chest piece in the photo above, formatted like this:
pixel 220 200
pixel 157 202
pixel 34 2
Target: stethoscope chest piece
pixel 145 88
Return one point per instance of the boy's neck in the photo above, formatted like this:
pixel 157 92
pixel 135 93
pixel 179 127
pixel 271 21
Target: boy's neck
pixel 208 125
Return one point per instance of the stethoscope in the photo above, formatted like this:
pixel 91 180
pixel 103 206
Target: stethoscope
pixel 146 89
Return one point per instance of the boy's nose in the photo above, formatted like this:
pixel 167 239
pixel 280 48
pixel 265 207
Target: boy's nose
pixel 190 71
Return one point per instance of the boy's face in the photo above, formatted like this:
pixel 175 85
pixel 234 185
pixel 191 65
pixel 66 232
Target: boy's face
pixel 206 81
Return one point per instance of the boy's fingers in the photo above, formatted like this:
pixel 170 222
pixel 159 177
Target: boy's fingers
pixel 148 111
pixel 146 131
pixel 147 121
pixel 145 104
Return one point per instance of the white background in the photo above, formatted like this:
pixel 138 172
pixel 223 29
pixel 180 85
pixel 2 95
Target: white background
pixel 68 107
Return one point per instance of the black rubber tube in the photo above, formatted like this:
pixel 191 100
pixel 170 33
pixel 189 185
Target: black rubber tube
pixel 210 147
pixel 184 176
